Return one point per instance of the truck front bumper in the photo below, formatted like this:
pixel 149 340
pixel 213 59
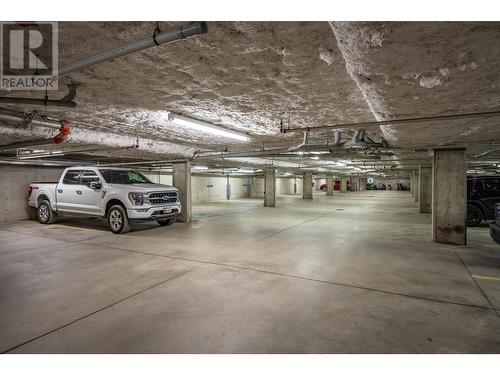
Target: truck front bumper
pixel 154 212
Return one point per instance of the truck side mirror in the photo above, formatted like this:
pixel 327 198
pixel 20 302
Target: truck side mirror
pixel 96 185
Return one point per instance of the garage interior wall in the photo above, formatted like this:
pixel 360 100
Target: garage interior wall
pixel 284 186
pixel 14 182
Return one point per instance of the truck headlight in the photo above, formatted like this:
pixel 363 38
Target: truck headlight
pixel 137 199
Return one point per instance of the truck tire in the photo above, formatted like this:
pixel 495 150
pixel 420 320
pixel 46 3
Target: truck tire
pixel 475 216
pixel 118 220
pixel 45 214
pixel 165 222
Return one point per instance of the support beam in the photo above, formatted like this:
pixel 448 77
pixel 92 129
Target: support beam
pixel 182 181
pixel 307 187
pixel 362 184
pixel 416 183
pixel 449 196
pixel 329 185
pixel 425 190
pixel 343 184
pixel 270 187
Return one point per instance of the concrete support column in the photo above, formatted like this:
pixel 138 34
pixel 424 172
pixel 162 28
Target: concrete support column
pixel 329 184
pixel 182 181
pixel 425 190
pixel 416 183
pixel 307 187
pixel 343 184
pixel 411 185
pixel 449 196
pixel 356 184
pixel 270 187
pixel 362 183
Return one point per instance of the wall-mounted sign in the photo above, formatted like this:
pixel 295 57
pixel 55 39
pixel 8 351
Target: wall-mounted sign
pixel 370 180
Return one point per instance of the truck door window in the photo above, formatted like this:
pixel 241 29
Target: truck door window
pixel 72 177
pixel 88 177
pixel 492 184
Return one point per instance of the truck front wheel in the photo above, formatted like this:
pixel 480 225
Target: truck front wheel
pixel 45 214
pixel 474 216
pixel 118 219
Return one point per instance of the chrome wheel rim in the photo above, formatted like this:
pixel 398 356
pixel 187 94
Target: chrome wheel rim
pixel 115 220
pixel 43 213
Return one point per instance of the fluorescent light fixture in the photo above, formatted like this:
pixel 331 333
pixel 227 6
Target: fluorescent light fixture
pixel 243 170
pixel 315 157
pixel 206 127
pixel 200 167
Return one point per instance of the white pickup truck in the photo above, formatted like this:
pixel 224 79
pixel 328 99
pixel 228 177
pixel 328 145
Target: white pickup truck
pixel 117 194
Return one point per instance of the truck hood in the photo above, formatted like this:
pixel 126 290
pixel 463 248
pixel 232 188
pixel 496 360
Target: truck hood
pixel 144 187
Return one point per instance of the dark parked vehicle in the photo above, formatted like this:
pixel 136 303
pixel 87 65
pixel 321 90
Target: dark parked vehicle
pixel 483 192
pixel 495 226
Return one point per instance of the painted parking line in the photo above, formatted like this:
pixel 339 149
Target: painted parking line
pixel 486 277
pixel 488 246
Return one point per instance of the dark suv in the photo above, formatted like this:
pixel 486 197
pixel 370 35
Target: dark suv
pixel 483 192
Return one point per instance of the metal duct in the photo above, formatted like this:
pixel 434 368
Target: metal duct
pixel 67 101
pixel 186 31
pixel 299 146
pixel 337 139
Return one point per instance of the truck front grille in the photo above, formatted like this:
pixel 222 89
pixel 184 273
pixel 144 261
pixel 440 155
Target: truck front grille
pixel 163 197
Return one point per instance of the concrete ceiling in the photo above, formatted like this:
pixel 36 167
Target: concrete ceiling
pixel 248 76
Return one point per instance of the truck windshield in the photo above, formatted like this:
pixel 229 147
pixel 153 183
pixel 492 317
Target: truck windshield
pixel 126 177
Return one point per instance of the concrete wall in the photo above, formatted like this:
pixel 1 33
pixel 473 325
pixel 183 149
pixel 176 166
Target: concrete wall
pixel 258 187
pixel 14 181
pixel 206 188
pixel 284 186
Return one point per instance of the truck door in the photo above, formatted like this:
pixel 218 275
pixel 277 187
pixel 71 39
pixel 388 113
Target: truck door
pixel 491 195
pixel 90 199
pixel 66 194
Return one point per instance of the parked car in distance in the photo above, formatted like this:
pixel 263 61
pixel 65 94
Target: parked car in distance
pixel 336 186
pixel 483 192
pixel 120 195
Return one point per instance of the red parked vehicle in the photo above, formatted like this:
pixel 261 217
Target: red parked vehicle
pixel 336 186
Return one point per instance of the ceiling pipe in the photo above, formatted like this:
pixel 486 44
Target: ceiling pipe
pixel 43 163
pixel 30 120
pixel 395 122
pixel 62 126
pixel 188 30
pixel 35 142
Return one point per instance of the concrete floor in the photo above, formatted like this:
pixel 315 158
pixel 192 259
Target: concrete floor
pixel 353 273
